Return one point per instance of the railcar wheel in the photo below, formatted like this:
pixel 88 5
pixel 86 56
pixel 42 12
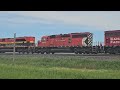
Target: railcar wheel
pixel 42 52
pixel 27 52
pixel 23 52
pixel 47 52
pixel 75 51
pixel 38 52
pixel 80 53
pixel 52 52
pixel 87 53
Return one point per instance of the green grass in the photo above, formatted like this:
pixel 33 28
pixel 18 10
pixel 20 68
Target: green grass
pixel 58 67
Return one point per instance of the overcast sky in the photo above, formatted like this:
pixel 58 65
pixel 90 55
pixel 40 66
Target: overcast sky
pixel 39 23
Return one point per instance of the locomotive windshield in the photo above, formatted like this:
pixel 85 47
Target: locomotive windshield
pixel 43 39
pixel 17 40
pixel 79 35
pixel 65 35
pixel 52 36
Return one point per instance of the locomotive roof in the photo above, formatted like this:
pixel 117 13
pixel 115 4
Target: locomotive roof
pixel 66 34
pixel 24 36
pixel 111 31
pixel 80 33
pixel 17 37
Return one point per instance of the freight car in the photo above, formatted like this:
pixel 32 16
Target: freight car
pixel 112 41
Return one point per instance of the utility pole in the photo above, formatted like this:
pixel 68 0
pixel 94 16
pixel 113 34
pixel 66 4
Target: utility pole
pixel 14 47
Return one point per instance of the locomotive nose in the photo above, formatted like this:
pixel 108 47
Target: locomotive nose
pixel 85 41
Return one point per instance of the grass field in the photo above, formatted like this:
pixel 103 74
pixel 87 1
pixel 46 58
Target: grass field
pixel 59 67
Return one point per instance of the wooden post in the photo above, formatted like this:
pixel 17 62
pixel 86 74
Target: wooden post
pixel 14 47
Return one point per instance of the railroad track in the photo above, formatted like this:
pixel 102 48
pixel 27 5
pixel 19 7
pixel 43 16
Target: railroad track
pixel 64 54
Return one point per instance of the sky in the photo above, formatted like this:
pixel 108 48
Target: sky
pixel 40 23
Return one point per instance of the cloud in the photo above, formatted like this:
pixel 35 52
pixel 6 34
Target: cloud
pixel 19 19
pixel 104 20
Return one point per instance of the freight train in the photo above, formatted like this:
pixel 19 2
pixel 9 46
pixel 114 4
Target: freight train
pixel 78 43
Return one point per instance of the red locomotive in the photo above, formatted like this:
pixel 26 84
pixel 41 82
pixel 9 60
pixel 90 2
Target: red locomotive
pixel 67 40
